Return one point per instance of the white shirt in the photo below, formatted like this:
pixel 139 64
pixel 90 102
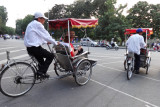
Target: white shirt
pixel 36 35
pixel 135 43
pixel 66 44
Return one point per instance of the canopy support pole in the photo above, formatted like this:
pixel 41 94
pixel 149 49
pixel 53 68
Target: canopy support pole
pixel 69 35
pixel 146 37
pixel 87 39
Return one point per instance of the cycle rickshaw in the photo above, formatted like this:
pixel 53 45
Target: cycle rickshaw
pixel 145 57
pixel 18 77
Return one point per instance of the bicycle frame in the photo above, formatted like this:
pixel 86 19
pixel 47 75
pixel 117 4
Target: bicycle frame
pixel 33 63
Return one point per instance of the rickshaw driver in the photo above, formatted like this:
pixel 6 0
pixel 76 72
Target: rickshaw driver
pixel 35 36
pixel 134 44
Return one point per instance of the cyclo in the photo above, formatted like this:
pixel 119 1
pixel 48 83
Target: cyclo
pixel 18 77
pixel 145 57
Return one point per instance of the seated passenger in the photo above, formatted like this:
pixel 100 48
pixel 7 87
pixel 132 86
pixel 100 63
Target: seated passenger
pixel 73 51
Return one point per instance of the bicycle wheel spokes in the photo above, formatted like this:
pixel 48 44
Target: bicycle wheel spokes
pixel 17 79
pixel 83 73
pixel 130 70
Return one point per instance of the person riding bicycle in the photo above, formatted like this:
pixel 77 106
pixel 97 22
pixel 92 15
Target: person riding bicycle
pixel 35 36
pixel 134 44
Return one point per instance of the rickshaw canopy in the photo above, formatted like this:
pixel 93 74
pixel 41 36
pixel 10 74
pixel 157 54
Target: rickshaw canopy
pixel 73 23
pixel 133 30
pixel 148 31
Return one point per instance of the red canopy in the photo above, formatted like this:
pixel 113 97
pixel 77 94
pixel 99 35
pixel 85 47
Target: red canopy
pixel 131 31
pixel 74 23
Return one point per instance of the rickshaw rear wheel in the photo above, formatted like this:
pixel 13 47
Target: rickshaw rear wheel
pixel 83 72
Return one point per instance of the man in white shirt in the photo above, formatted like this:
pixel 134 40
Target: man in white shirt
pixel 35 36
pixel 134 44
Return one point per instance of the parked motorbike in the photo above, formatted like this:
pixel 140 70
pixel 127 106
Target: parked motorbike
pixel 112 46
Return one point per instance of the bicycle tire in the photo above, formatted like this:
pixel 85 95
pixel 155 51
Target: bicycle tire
pixel 148 65
pixel 24 79
pixel 125 64
pixel 130 70
pixel 83 72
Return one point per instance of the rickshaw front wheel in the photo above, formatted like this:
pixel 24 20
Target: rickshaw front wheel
pixel 125 64
pixel 148 60
pixel 59 70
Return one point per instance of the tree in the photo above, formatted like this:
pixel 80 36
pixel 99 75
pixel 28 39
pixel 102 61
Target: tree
pixel 21 24
pixel 139 15
pixel 81 9
pixel 10 30
pixel 99 7
pixel 155 18
pixel 57 12
pixel 3 20
pixel 3 15
pixel 111 22
pixel 1 25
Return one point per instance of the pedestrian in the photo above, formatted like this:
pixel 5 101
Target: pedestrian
pixel 134 44
pixel 35 36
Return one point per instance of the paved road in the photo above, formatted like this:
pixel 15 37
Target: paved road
pixel 108 87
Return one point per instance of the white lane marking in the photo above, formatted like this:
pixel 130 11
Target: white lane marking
pixel 106 56
pixel 6 48
pixel 134 74
pixel 12 51
pixel 112 62
pixel 95 59
pixel 125 93
pixel 17 57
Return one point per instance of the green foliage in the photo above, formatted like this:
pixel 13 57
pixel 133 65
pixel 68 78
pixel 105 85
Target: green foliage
pixel 3 19
pixel 139 15
pixel 112 23
pixel 10 30
pixel 1 25
pixel 155 18
pixel 3 15
pixel 57 12
pixel 21 24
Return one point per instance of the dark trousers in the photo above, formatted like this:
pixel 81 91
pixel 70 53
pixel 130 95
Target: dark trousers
pixel 40 53
pixel 137 62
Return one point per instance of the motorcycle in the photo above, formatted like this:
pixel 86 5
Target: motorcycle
pixel 112 46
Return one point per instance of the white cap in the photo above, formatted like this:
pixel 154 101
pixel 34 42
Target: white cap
pixel 39 14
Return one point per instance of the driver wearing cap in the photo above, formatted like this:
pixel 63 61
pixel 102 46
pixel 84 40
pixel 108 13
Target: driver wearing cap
pixel 35 36
pixel 134 44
